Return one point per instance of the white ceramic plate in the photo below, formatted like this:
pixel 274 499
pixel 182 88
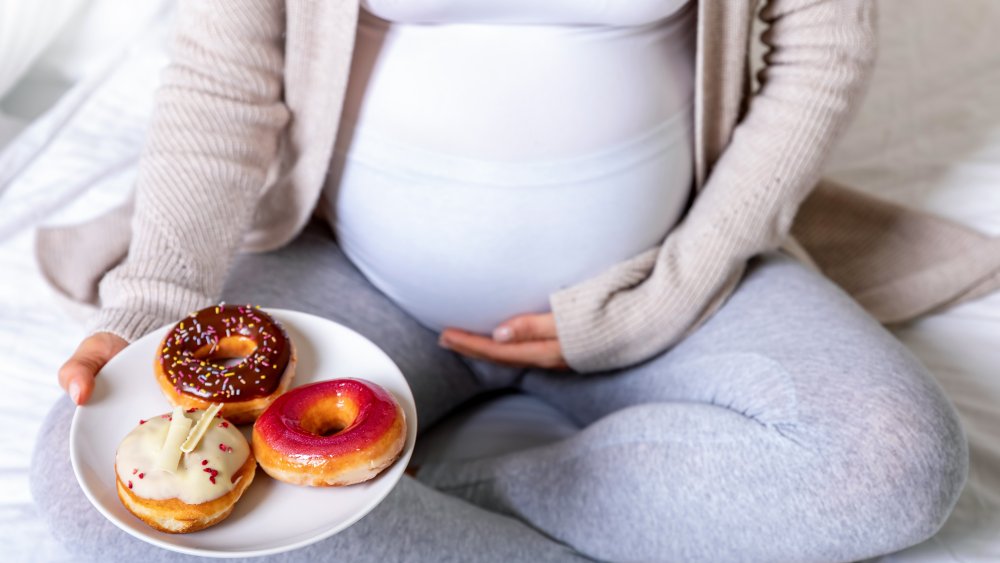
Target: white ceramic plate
pixel 272 516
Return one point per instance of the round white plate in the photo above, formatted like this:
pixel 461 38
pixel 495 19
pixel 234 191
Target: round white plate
pixel 272 516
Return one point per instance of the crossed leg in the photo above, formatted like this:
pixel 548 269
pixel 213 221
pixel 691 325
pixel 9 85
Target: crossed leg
pixel 790 427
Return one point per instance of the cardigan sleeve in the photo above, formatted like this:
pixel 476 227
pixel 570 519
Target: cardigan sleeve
pixel 819 55
pixel 214 134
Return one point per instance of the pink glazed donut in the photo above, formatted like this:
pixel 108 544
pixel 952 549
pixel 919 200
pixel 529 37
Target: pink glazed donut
pixel 330 433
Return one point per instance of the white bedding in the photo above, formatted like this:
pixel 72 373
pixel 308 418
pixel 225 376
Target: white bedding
pixel 929 135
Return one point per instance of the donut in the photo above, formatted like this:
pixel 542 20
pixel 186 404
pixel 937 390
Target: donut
pixel 235 355
pixel 175 491
pixel 330 433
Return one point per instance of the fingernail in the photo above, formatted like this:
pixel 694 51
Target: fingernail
pixel 74 391
pixel 442 342
pixel 503 334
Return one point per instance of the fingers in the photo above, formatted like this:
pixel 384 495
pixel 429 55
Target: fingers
pixel 76 376
pixel 526 327
pixel 524 341
pixel 535 353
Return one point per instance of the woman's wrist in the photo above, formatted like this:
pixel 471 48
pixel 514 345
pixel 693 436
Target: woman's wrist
pixel 127 324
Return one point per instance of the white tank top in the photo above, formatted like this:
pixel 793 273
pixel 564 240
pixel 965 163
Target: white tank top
pixel 494 151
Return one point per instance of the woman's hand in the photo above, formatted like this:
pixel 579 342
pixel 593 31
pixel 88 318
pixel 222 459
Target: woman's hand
pixel 523 341
pixel 76 376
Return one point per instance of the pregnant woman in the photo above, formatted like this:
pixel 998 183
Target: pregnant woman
pixel 576 199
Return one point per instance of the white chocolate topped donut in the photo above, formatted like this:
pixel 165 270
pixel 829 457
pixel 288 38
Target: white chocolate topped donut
pixel 204 474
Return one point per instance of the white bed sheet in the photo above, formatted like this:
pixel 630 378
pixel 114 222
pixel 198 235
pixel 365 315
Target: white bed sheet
pixel 929 135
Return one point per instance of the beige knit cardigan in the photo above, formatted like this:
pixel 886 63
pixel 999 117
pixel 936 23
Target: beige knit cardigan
pixel 248 110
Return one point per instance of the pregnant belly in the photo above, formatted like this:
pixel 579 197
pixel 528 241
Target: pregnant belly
pixel 469 244
pixel 480 168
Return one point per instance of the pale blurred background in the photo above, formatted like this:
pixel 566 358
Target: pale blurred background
pixel 76 80
pixel 46 46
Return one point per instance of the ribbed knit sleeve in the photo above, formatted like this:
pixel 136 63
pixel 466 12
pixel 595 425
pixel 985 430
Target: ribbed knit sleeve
pixel 820 53
pixel 214 134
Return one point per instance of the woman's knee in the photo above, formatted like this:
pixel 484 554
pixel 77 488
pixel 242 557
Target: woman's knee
pixel 51 474
pixel 885 488
pixel 905 476
pixel 57 495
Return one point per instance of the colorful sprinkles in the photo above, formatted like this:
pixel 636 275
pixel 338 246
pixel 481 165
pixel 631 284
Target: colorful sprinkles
pixel 188 353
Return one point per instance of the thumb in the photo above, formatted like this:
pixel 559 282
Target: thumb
pixel 76 376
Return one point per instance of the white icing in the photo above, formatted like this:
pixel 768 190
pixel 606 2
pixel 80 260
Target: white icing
pixel 199 429
pixel 170 451
pixel 138 452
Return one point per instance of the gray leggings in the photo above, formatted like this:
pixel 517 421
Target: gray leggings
pixel 790 427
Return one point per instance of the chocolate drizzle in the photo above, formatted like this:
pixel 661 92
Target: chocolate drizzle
pixel 190 356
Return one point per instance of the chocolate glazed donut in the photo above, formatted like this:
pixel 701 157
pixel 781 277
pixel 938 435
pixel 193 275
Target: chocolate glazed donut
pixel 236 355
